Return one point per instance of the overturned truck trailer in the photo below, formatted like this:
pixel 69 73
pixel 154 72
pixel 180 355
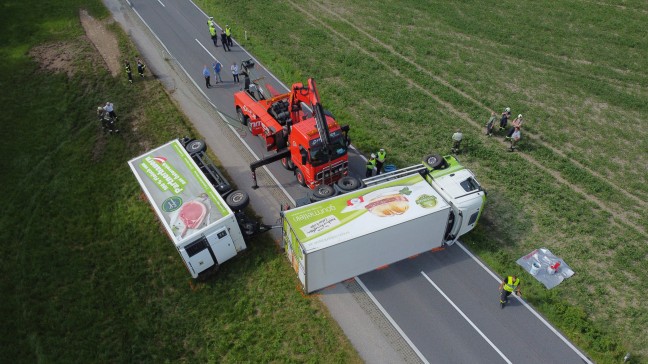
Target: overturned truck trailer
pixel 395 218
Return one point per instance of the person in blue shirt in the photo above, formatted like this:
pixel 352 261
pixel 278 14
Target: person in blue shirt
pixel 207 76
pixel 217 69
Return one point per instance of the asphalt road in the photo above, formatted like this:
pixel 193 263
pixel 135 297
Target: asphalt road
pixel 443 304
pixel 182 28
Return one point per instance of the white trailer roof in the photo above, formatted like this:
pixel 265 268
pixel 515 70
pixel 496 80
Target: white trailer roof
pixel 345 217
pixel 183 198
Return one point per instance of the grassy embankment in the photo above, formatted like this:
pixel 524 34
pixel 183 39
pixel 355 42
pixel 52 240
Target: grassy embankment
pixel 405 74
pixel 88 275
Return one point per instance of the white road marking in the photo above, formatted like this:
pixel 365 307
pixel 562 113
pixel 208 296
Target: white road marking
pixel 203 47
pixel 466 318
pixel 537 315
pixel 391 320
pixel 160 1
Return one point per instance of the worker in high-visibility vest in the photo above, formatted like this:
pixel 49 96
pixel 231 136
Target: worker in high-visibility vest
pixel 213 34
pixel 371 165
pixel 228 34
pixel 509 285
pixel 380 160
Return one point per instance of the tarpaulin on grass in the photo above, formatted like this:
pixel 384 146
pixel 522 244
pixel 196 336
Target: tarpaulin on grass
pixel 549 269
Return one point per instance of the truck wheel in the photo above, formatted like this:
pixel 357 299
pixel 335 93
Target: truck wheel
pixel 195 146
pixel 287 164
pixel 348 183
pixel 237 200
pixel 322 192
pixel 300 177
pixel 434 161
pixel 242 118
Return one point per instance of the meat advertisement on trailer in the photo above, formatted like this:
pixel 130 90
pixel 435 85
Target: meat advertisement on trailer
pixel 181 195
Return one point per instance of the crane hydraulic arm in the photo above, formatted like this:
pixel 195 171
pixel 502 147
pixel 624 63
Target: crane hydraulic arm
pixel 310 96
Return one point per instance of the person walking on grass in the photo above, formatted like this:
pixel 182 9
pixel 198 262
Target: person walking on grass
pixel 224 41
pixel 107 122
pixel 490 124
pixel 129 72
pixel 217 66
pixel 140 67
pixel 371 165
pixel 380 160
pixel 207 76
pixel 504 120
pixel 235 72
pixel 509 285
pixel 515 138
pixel 110 109
pixel 228 34
pixel 517 123
pixel 457 137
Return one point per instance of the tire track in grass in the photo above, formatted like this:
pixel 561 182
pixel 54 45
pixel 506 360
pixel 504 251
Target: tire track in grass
pixel 622 217
pixel 619 7
pixel 445 83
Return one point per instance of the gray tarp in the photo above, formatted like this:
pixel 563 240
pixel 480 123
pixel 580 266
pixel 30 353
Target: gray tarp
pixel 542 271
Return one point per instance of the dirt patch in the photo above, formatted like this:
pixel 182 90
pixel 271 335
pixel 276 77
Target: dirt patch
pixel 62 57
pixel 56 57
pixel 103 39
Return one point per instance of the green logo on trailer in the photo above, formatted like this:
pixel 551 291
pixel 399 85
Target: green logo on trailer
pixel 172 203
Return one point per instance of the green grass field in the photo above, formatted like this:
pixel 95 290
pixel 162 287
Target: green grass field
pixel 88 275
pixel 575 69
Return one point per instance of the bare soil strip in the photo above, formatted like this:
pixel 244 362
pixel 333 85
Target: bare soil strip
pixel 104 41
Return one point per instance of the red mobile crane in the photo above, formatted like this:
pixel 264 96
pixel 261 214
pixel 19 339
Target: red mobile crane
pixel 313 145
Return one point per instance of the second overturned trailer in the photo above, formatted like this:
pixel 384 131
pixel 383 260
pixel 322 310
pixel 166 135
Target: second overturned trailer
pixel 398 214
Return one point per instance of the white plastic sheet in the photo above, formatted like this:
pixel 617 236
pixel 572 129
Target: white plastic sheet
pixel 546 275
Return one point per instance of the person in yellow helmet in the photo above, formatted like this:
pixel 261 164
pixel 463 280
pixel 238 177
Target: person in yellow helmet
pixel 228 34
pixel 371 165
pixel 509 285
pixel 212 30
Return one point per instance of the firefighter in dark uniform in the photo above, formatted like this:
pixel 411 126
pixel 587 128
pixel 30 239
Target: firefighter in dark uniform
pixel 129 72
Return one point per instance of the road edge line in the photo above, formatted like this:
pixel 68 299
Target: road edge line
pixel 391 320
pixel 533 311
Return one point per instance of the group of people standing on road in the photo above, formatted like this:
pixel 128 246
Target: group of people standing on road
pixel 513 134
pixel 217 67
pixel 225 35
